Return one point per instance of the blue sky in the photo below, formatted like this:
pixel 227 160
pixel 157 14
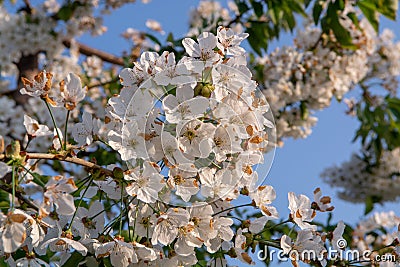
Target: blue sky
pixel 298 164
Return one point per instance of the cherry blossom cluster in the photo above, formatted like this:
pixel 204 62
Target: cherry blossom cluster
pixel 191 133
pixel 381 230
pixel 305 77
pixel 40 31
pixel 359 181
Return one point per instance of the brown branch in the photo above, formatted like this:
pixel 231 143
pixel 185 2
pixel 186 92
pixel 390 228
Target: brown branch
pixel 90 51
pixel 27 68
pixel 74 160
pixel 28 202
pixel 90 86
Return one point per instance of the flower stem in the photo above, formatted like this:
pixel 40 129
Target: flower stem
pixel 13 188
pixel 54 122
pixel 121 208
pixel 80 201
pixel 65 129
pixel 231 208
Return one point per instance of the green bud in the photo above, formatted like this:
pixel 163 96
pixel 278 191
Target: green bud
pixel 118 173
pixel 13 151
pixel 204 89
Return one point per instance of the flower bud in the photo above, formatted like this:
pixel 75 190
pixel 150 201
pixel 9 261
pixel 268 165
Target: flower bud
pixel 13 150
pixel 204 89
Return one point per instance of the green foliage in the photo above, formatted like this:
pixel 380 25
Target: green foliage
pixel 380 126
pixel 265 20
pixel 67 11
pixel 74 260
pixel 370 202
pixel 4 201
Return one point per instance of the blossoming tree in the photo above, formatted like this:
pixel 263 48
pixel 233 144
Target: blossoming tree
pixel 155 164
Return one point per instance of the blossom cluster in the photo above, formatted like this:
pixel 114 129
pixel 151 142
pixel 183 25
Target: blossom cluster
pixel 41 31
pixel 187 137
pixel 199 121
pixel 304 78
pixel 191 133
pixel 359 181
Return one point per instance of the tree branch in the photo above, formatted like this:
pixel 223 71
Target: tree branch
pixel 74 160
pixel 90 51
pixel 18 194
pixel 90 86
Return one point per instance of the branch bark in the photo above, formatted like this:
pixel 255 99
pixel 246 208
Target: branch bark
pixel 28 68
pixel 74 160
pixel 90 51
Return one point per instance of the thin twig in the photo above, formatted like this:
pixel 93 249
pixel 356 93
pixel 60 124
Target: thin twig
pixel 28 202
pixel 103 83
pixel 90 51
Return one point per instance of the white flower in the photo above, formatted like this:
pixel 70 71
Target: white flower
pixel 72 91
pixel 195 137
pixel 154 25
pixel 226 141
pixel 110 187
pixel 84 225
pixel 58 190
pixel 201 217
pixel 222 232
pixel 184 181
pixel 145 183
pixel 31 262
pixel 173 154
pixel 34 129
pixel 167 225
pixel 184 106
pixel 140 218
pixel 64 244
pixel 218 184
pixel 176 74
pixel 322 202
pixel 130 144
pixel 240 246
pixel 15 229
pixel 300 211
pixel 83 132
pixel 263 196
pixel 258 224
pixel 188 239
pixel 337 236
pixel 204 50
pixel 39 87
pixel 307 242
pixel 133 76
pixel 229 41
pixel 121 253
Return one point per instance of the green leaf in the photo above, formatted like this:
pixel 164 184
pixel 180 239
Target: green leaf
pixel 387 8
pixel 317 10
pixel 153 38
pixel 331 22
pixel 303 110
pixel 371 15
pixel 258 8
pixel 170 37
pixel 369 205
pixel 65 13
pixel 254 40
pixel 243 7
pixel 74 260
